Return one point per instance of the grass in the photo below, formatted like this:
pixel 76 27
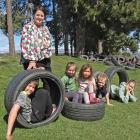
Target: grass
pixel 120 122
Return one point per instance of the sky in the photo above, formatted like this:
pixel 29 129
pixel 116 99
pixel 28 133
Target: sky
pixel 4 43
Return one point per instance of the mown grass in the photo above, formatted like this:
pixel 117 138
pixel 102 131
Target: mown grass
pixel 120 121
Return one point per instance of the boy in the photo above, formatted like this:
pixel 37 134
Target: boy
pixel 101 91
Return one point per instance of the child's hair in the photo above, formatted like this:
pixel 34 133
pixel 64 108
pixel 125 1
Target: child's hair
pixel 132 81
pixel 70 64
pixel 102 76
pixel 35 82
pixel 83 68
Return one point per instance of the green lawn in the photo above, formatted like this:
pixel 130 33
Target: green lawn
pixel 121 122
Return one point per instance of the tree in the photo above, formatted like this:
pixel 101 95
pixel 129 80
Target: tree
pixel 105 16
pixel 10 28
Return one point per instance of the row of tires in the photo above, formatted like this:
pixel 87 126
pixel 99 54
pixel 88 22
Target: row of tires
pixel 129 64
pixel 68 109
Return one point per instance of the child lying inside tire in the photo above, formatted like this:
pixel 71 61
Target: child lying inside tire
pixel 32 111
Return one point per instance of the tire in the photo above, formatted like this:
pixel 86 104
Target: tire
pixel 121 59
pixel 83 112
pixel 121 72
pixel 84 57
pixel 130 68
pixel 115 61
pixel 19 82
pixel 92 59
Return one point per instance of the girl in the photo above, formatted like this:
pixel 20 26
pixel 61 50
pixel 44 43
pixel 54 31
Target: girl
pixel 69 80
pixel 87 86
pixel 125 91
pixel 32 111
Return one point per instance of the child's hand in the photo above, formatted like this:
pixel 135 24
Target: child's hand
pixel 66 99
pixel 127 88
pixel 32 65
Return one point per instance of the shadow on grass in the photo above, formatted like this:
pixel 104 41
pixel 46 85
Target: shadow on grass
pixel 3 63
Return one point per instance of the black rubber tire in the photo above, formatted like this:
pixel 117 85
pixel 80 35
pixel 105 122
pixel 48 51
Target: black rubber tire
pixel 84 57
pixel 19 82
pixel 109 63
pixel 92 59
pixel 130 68
pixel 121 72
pixel 121 59
pixel 83 112
pixel 115 61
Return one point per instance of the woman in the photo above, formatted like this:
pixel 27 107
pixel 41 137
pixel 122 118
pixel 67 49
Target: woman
pixel 36 42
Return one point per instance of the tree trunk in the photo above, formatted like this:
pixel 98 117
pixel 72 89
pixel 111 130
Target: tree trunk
pixel 10 28
pixel 71 46
pixel 80 39
pixel 100 46
pixel 66 43
pixel 55 26
pixel 64 20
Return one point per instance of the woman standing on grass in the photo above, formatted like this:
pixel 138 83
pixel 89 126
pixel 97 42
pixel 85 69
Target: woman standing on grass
pixel 36 42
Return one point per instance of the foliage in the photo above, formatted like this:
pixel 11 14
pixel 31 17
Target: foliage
pixel 109 19
pixel 115 41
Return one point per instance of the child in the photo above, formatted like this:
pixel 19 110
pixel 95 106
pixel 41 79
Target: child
pixel 69 80
pixel 101 91
pixel 31 113
pixel 87 86
pixel 125 91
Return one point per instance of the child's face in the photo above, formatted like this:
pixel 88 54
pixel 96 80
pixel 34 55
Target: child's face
pixel 131 86
pixel 101 82
pixel 86 73
pixel 71 71
pixel 30 88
